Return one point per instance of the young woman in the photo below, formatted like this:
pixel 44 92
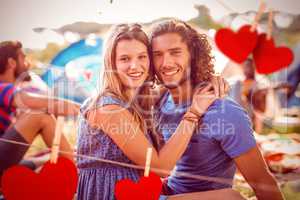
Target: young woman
pixel 112 127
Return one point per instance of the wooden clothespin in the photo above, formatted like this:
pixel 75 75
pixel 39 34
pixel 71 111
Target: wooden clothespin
pixel 56 140
pixel 270 24
pixel 261 10
pixel 148 162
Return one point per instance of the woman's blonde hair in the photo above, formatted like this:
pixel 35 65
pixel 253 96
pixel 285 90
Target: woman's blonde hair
pixel 111 83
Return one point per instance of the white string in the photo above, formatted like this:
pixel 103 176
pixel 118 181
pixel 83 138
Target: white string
pixel 224 5
pixel 226 181
pixel 157 170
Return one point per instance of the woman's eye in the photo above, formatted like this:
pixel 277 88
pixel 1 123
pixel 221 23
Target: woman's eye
pixel 143 57
pixel 157 54
pixel 124 59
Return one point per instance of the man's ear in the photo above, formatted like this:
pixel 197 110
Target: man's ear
pixel 11 63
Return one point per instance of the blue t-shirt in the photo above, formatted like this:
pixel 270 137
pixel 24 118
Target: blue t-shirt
pixel 225 133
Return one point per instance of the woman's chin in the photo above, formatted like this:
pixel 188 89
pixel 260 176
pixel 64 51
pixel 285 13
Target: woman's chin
pixel 134 86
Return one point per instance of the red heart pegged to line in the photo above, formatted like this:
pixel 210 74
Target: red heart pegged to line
pixel 268 58
pixel 126 190
pixel 237 46
pixel 55 181
pixel 148 188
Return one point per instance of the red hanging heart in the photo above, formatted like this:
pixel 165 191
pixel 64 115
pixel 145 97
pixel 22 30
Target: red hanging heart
pixel 268 58
pixel 237 46
pixel 55 181
pixel 148 188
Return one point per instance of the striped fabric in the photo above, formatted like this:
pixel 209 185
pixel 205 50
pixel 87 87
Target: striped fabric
pixel 7 91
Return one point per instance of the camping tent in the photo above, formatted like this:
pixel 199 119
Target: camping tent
pixel 73 72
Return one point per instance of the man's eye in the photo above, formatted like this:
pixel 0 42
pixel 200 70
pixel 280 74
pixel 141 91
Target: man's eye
pixel 176 52
pixel 157 54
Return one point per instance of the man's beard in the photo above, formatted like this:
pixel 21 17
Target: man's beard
pixel 22 75
pixel 178 84
pixel 184 78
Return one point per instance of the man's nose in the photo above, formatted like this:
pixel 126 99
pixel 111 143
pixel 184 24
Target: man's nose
pixel 167 60
pixel 27 63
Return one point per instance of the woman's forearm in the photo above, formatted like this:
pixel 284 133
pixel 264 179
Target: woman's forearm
pixel 176 145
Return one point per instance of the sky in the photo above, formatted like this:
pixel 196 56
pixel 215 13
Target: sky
pixel 19 17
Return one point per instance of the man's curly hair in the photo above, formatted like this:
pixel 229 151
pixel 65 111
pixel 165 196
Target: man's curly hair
pixel 198 45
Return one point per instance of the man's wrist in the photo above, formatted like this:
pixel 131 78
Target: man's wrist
pixel 194 113
pixel 190 116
